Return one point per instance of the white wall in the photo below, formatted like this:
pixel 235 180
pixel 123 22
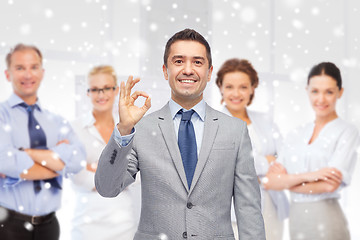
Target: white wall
pixel 282 38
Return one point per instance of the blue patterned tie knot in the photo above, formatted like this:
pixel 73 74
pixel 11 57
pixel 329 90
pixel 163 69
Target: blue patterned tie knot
pixel 187 144
pixel 186 116
pixel 36 134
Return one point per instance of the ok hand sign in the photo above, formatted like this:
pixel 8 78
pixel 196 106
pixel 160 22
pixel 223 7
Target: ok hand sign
pixel 129 114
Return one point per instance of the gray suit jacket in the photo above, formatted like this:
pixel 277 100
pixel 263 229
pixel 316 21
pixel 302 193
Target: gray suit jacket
pixel 170 210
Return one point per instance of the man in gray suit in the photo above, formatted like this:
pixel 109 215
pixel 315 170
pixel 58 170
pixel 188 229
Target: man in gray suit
pixel 193 160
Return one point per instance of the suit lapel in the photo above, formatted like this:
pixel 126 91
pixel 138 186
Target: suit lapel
pixel 210 130
pixel 166 126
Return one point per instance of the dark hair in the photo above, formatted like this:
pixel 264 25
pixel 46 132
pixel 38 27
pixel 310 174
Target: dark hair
pixel 191 35
pixel 21 47
pixel 238 65
pixel 326 68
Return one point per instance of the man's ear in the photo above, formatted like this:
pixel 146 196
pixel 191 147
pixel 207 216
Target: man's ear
pixel 210 72
pixel 7 74
pixel 165 72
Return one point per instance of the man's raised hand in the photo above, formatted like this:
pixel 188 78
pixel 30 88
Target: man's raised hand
pixel 129 114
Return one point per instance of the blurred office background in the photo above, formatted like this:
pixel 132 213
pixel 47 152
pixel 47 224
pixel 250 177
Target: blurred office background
pixel 282 38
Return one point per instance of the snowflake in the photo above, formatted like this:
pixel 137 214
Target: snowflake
pixel 3 214
pixel 248 14
pixel 163 236
pixel 47 185
pixel 48 13
pixel 28 226
pixel 297 24
pixel 315 11
pixel 276 83
pixel 153 27
pixel 66 27
pixel 25 29
pixel 338 31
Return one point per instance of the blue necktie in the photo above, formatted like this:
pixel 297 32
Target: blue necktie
pixel 187 144
pixel 37 141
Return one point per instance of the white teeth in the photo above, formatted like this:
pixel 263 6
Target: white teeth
pixel 187 81
pixel 27 83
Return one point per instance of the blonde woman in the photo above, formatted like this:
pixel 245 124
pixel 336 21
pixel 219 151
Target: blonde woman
pixel 317 162
pixel 94 216
pixel 237 80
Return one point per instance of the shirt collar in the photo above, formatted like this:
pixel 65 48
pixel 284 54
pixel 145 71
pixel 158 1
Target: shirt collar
pixel 15 100
pixel 88 119
pixel 225 110
pixel 198 108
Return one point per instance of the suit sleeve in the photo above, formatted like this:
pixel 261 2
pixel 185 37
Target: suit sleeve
pixel 247 199
pixel 116 169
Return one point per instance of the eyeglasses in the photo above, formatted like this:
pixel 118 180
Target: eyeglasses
pixel 98 90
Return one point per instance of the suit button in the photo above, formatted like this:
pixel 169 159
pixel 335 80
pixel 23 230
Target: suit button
pixel 184 234
pixel 189 205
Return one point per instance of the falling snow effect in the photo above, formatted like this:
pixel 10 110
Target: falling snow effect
pixel 301 34
pixel 3 214
pixel 49 13
pixel 163 236
pixel 25 29
pixel 28 226
pixel 83 163
pixel 47 185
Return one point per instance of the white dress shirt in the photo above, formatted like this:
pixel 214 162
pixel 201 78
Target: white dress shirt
pixel 94 216
pixel 335 146
pixel 16 193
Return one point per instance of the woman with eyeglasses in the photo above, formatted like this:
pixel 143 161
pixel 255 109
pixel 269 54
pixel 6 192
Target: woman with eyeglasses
pixel 94 216
pixel 317 161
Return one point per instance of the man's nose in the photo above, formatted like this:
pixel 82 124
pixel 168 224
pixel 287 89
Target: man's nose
pixel 28 73
pixel 188 70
